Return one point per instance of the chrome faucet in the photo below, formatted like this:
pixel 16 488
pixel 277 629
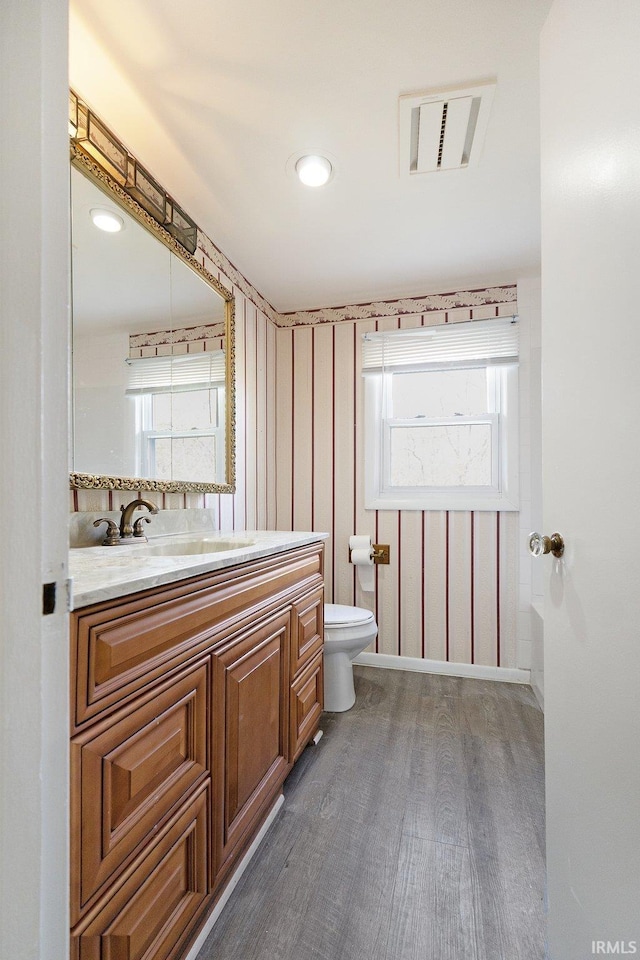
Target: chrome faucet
pixel 127 531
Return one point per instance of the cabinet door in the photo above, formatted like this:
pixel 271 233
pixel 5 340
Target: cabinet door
pixel 130 773
pixel 307 633
pixel 307 698
pixel 149 916
pixel 251 740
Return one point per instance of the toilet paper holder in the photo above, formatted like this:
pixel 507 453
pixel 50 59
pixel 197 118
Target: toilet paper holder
pixel 380 553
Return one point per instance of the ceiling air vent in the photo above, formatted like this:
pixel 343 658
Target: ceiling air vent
pixel 443 130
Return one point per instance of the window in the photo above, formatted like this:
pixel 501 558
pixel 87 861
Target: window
pixel 179 404
pixel 441 417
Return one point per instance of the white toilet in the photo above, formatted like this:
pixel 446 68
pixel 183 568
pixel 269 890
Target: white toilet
pixel 347 631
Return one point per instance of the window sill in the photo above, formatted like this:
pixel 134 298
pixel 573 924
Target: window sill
pixel 451 501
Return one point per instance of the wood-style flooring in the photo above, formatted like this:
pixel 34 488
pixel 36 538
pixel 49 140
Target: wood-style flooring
pixel 413 831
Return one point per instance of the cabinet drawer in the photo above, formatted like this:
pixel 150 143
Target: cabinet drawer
pixel 129 773
pixel 122 645
pixel 149 915
pixel 307 699
pixel 307 634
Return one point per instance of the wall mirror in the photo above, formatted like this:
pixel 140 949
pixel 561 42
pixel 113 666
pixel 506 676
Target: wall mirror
pixel 153 378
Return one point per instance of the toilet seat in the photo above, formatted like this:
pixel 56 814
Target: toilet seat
pixel 339 615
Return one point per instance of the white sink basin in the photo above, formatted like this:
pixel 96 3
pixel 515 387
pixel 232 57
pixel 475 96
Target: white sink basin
pixel 187 548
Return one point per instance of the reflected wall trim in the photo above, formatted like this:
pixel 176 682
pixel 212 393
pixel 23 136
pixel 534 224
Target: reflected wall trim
pixel 203 333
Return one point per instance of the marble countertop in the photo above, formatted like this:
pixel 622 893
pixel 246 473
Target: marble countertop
pixel 105 573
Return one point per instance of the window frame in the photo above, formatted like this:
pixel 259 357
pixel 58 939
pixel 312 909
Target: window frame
pixel 146 434
pixel 502 495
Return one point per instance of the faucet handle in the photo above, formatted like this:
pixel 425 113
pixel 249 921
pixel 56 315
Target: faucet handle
pixel 137 528
pixel 113 534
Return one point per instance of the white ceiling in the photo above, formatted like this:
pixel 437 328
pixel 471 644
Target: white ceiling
pixel 216 96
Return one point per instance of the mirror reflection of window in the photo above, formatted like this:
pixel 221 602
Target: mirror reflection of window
pixel 184 436
pixel 179 406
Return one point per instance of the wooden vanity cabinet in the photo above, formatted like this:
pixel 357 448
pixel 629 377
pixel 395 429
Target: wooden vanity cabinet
pixel 190 703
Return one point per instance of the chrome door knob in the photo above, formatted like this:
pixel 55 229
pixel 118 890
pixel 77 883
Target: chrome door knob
pixel 539 544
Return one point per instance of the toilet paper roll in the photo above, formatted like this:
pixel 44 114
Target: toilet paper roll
pixel 358 542
pixel 362 558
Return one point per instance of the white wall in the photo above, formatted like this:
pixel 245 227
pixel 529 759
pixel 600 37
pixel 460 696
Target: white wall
pixel 33 464
pixel 103 416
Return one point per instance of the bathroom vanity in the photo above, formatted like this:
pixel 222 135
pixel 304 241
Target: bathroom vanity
pixel 196 683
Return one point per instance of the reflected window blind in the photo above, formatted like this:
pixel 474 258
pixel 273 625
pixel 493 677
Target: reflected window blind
pixel 476 343
pixel 198 371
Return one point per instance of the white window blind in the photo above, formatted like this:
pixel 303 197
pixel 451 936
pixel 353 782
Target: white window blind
pixel 198 371
pixel 460 344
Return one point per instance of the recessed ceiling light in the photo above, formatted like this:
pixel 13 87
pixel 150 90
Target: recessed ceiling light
pixel 314 171
pixel 106 220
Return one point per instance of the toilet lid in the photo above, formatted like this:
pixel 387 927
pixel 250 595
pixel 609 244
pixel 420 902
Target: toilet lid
pixel 337 613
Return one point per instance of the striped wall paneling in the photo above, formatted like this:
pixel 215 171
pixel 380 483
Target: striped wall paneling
pixel 450 592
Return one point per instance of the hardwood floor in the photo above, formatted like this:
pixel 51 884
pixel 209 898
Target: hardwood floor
pixel 413 831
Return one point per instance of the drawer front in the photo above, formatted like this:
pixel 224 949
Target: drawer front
pixel 130 773
pixel 121 646
pixel 307 699
pixel 307 634
pixel 150 915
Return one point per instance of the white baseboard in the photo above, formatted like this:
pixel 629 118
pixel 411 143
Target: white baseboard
pixel 233 882
pixel 418 665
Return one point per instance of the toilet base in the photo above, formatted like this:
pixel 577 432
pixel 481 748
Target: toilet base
pixel 339 691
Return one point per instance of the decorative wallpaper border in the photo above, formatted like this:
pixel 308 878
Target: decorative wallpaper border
pixel 437 302
pixel 404 306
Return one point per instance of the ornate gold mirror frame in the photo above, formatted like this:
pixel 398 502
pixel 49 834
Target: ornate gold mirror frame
pixel 100 156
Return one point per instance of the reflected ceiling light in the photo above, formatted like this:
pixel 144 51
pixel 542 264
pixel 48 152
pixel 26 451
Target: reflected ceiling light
pixel 314 171
pixel 106 220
